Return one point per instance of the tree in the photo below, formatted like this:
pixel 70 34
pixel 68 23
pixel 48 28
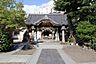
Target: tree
pixel 20 14
pixel 77 10
pixel 70 7
pixel 11 13
pixel 12 16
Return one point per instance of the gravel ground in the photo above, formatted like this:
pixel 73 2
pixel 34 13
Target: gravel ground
pixel 80 54
pixel 25 52
pixel 13 63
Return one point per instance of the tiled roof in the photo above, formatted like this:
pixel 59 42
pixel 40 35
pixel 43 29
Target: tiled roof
pixel 60 19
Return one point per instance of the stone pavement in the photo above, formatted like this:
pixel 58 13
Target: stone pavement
pixel 53 51
pixel 31 59
pixel 50 56
pixel 35 57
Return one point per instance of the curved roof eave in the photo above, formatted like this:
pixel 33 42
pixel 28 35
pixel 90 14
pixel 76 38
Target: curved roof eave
pixel 45 17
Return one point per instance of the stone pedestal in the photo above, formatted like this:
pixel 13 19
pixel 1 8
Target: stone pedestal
pixel 63 34
pixel 38 34
pixel 32 32
pixel 53 34
pixel 56 36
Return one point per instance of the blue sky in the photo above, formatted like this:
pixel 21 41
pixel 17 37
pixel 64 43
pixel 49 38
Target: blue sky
pixel 37 6
pixel 34 2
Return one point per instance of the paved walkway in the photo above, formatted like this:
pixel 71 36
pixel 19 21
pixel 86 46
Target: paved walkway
pixel 50 56
pixel 46 53
pixel 28 59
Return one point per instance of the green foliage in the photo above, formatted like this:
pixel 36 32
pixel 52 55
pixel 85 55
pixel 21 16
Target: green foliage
pixel 93 46
pixel 11 13
pixel 12 16
pixel 86 31
pixel 5 46
pixel 70 39
pixel 79 10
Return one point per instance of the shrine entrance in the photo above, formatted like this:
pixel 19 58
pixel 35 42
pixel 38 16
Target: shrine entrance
pixel 48 28
pixel 47 34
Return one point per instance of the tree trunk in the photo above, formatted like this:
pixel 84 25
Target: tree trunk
pixel 71 29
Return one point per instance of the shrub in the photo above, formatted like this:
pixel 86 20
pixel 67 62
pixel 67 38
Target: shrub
pixel 86 31
pixel 4 37
pixel 93 46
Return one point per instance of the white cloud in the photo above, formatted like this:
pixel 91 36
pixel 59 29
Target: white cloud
pixel 42 9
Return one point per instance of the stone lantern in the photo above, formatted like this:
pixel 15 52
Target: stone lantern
pixel 33 30
pixel 63 34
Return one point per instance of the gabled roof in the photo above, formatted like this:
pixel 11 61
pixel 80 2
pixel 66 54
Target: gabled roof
pixel 60 19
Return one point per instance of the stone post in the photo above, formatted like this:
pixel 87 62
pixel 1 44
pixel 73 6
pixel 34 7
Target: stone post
pixel 63 34
pixel 57 36
pixel 33 30
pixel 38 34
pixel 53 32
